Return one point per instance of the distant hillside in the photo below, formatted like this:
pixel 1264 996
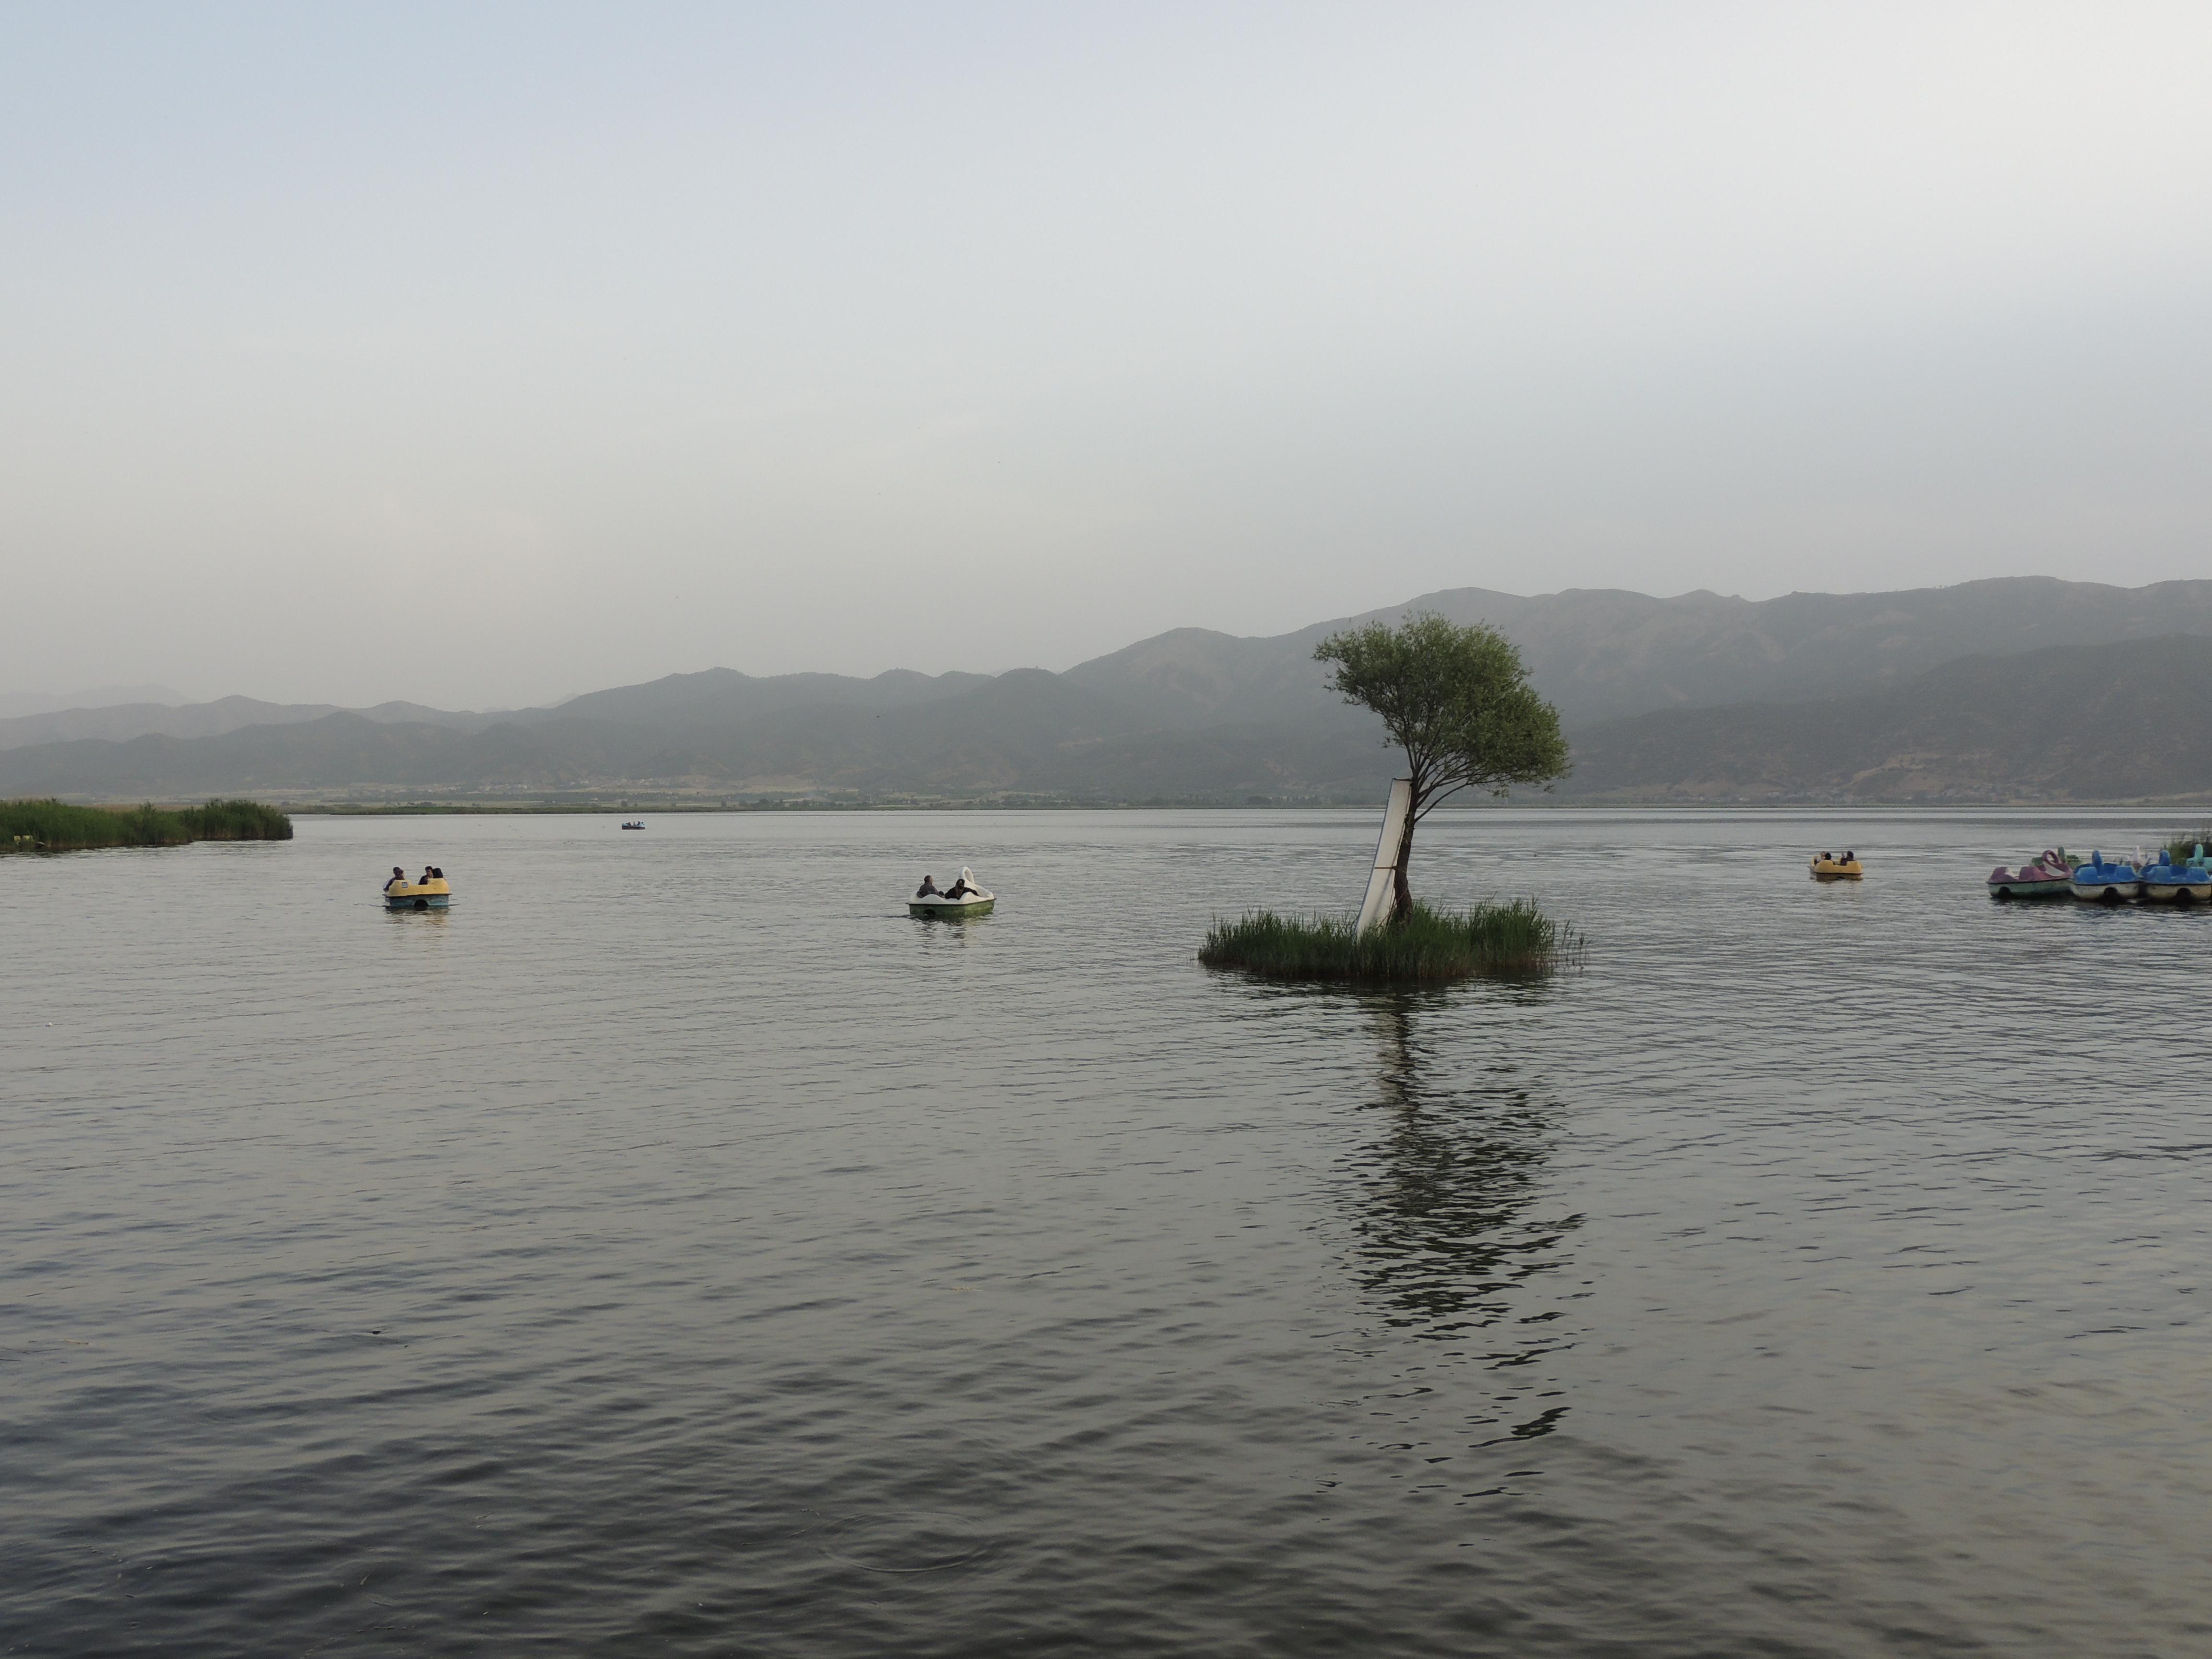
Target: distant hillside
pixel 719 695
pixel 1940 692
pixel 334 751
pixel 722 694
pixel 2106 722
pixel 13 704
pixel 1602 653
pixel 122 721
pixel 1027 732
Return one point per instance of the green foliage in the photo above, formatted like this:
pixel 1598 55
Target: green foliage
pixel 1457 700
pixel 1515 940
pixel 49 826
pixel 2184 845
pixel 236 820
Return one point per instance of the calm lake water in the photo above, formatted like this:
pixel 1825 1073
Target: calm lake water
pixel 677 1250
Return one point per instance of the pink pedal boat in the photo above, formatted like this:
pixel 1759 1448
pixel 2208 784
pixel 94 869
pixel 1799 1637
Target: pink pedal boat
pixel 2047 877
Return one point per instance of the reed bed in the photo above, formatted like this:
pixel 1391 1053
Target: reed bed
pixel 51 826
pixel 2186 844
pixel 1509 941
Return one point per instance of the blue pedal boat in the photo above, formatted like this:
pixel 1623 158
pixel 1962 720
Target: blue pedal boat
pixel 2099 882
pixel 2167 883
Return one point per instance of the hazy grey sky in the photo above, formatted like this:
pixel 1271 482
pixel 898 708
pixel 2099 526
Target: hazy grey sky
pixel 478 353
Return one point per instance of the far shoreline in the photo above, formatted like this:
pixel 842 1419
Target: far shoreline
pixel 635 805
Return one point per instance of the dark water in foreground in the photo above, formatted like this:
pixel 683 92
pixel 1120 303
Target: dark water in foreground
pixel 676 1249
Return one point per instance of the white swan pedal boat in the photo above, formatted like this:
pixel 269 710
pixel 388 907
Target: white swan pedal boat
pixel 974 902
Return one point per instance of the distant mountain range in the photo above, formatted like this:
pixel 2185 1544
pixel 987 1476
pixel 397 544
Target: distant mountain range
pixel 2084 723
pixel 2026 687
pixel 13 704
pixel 120 722
pixel 1601 654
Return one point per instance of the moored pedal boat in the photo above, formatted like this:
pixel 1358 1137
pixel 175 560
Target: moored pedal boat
pixel 962 898
pixel 2099 882
pixel 2164 882
pixel 2046 877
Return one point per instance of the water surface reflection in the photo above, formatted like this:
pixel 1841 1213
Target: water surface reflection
pixel 1457 1239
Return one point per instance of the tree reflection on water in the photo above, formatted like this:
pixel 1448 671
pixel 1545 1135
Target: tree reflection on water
pixel 1451 1235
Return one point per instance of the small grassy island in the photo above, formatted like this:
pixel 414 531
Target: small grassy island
pixel 50 826
pixel 1506 941
pixel 1458 702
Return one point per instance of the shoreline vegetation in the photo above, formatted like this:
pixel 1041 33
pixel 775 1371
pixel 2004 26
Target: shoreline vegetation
pixel 51 826
pixel 1510 940
pixel 550 808
pixel 734 807
pixel 637 801
pixel 2184 845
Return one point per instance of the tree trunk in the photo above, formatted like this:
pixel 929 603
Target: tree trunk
pixel 1402 897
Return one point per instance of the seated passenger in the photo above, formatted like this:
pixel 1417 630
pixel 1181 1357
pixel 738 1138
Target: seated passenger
pixel 928 888
pixel 959 889
pixel 399 878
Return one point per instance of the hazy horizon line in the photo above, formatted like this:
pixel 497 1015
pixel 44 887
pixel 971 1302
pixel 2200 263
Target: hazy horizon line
pixel 58 702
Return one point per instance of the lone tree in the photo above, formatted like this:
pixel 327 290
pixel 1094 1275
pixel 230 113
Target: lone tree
pixel 1458 701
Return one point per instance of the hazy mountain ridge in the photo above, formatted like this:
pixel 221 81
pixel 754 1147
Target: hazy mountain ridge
pixel 16 704
pixel 2120 721
pixel 1724 697
pixel 120 722
pixel 1025 731
pixel 1602 653
pixel 723 694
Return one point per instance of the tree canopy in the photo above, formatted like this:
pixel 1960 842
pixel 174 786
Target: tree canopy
pixel 1457 701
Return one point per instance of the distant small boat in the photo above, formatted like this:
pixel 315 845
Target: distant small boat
pixel 973 901
pixel 1826 867
pixel 2046 876
pixel 2167 883
pixel 633 826
pixel 432 894
pixel 2099 882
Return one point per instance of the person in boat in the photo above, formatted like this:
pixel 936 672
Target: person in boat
pixel 928 888
pixel 399 878
pixel 959 889
pixel 428 876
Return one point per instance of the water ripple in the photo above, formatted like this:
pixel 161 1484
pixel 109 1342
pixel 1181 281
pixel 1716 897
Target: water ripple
pixel 733 1264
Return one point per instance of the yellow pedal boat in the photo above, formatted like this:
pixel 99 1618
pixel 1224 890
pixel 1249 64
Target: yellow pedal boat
pixel 433 895
pixel 1826 867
